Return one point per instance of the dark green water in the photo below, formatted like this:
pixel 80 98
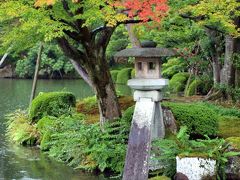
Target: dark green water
pixel 17 162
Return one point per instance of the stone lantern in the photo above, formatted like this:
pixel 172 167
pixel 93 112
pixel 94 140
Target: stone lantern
pixel 147 122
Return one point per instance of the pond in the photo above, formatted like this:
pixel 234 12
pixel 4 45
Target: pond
pixel 18 162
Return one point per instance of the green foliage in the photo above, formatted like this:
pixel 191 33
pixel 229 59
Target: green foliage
pixel 133 73
pixel 219 15
pixel 199 119
pixel 52 62
pixel 124 75
pixel 177 83
pixel 193 87
pixel 52 104
pixel 183 147
pixel 87 146
pixel 234 142
pixel 118 42
pixel 114 74
pixel 222 111
pixel 172 67
pixel 19 130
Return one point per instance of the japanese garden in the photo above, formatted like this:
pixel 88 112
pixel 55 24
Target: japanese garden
pixel 120 89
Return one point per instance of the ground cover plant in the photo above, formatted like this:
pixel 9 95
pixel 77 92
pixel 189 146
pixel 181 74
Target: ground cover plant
pixel 76 138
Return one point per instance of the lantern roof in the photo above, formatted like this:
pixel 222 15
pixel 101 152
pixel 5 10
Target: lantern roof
pixel 146 52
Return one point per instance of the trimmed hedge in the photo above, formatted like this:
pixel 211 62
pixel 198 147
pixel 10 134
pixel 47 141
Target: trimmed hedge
pixel 193 87
pixel 177 83
pixel 199 119
pixel 51 104
pixel 114 74
pixel 124 75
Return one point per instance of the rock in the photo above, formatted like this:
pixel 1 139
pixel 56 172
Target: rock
pixel 196 168
pixel 6 72
pixel 180 176
pixel 169 120
pixel 233 168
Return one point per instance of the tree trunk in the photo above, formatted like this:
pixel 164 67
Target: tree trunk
pixel 228 73
pixel 34 86
pixel 216 70
pixel 108 104
pixel 133 39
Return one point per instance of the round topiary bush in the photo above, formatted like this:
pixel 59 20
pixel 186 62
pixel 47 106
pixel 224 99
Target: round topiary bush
pixel 199 119
pixel 178 81
pixel 51 104
pixel 114 74
pixel 193 87
pixel 124 75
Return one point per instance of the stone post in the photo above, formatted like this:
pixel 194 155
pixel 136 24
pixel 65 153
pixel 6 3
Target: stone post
pixel 147 124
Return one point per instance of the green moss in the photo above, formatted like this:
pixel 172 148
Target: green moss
pixel 193 87
pixel 234 141
pixel 160 178
pixel 44 123
pixel 114 74
pixel 177 83
pixel 52 104
pixel 229 127
pixel 195 154
pixel 199 119
pixel 124 75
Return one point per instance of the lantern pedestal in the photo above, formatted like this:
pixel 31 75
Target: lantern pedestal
pixel 147 124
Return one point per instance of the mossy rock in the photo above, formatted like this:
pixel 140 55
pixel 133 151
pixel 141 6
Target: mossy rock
pixel 193 87
pixel 235 142
pixel 114 74
pixel 200 120
pixel 178 82
pixel 124 75
pixel 51 104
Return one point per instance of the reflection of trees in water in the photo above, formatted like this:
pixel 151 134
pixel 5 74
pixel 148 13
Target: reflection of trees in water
pixel 29 162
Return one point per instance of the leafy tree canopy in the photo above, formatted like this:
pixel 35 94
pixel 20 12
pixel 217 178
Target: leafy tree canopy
pixel 43 20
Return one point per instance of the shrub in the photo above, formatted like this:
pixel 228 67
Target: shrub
pixel 199 119
pixel 133 73
pixel 19 130
pixel 86 146
pixel 52 104
pixel 114 74
pixel 222 111
pixel 193 87
pixel 177 83
pixel 172 67
pixel 124 75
